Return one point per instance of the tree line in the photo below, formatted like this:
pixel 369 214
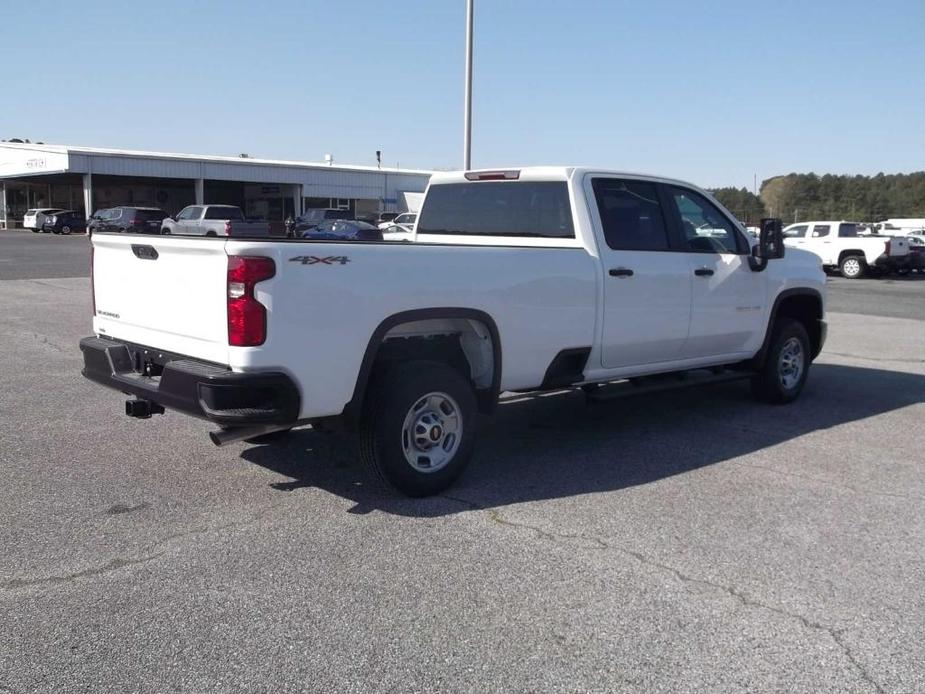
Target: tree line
pixel 800 197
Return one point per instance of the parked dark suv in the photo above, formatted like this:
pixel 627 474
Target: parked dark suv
pixel 138 220
pixel 64 222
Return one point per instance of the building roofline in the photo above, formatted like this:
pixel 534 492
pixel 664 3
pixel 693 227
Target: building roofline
pixel 142 154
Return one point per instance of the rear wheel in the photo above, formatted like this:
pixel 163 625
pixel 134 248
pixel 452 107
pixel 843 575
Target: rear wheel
pixel 852 267
pixel 36 231
pixel 786 366
pixel 66 230
pixel 418 427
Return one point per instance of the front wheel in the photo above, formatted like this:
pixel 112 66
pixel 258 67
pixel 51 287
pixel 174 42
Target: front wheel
pixel 852 267
pixel 418 427
pixel 786 365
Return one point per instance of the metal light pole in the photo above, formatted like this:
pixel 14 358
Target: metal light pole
pixel 467 126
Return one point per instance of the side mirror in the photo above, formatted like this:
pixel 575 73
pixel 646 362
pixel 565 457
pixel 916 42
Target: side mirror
pixel 770 244
pixel 771 239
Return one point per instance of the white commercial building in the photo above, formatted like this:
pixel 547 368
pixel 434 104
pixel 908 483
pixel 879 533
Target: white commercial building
pixel 88 179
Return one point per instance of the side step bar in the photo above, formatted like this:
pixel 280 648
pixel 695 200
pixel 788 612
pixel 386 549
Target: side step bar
pixel 658 384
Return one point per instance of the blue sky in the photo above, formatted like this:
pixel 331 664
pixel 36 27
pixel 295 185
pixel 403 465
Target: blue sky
pixel 713 92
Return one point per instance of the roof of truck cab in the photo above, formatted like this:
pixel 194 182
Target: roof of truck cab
pixel 554 173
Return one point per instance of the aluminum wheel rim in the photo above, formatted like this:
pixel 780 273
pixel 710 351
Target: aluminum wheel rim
pixel 431 433
pixel 852 266
pixel 790 363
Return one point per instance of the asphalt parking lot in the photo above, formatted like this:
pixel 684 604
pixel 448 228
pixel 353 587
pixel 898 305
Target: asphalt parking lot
pixel 691 541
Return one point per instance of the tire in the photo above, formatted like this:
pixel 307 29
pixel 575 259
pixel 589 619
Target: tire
pixel 55 231
pixel 786 365
pixel 165 232
pixel 36 231
pixel 852 267
pixel 66 230
pixel 417 430
pixel 211 233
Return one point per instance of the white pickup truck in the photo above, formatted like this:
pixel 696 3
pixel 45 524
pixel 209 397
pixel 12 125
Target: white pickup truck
pixel 213 220
pixel 518 280
pixel 839 245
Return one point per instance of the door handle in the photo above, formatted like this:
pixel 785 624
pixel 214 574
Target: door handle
pixel 621 272
pixel 703 272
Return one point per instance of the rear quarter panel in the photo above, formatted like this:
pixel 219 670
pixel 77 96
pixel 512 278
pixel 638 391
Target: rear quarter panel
pixel 323 314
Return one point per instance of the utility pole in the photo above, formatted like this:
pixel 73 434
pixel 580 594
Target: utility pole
pixel 467 125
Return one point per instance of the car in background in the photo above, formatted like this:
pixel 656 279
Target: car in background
pixel 65 222
pixel 917 257
pixel 213 220
pixel 35 218
pixel 397 232
pixel 316 215
pixel 405 219
pixel 343 230
pixel 900 226
pixel 95 222
pixel 839 245
pixel 124 218
pixel 378 218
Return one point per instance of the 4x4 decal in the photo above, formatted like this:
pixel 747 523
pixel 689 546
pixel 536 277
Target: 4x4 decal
pixel 316 260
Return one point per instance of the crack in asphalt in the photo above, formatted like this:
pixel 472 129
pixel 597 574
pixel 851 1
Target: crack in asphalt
pixel 111 565
pixel 834 634
pixel 120 563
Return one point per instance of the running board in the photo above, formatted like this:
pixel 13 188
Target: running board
pixel 661 383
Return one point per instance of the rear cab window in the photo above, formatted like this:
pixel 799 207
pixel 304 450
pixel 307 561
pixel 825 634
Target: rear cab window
pixel 229 213
pixel 845 230
pixel 150 215
pixel 527 209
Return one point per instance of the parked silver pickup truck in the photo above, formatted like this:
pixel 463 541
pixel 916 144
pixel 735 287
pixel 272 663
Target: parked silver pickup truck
pixel 213 220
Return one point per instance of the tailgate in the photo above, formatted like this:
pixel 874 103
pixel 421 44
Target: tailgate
pixel 898 246
pixel 165 292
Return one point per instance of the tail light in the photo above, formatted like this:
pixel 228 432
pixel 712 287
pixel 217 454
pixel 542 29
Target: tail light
pixel 137 222
pixel 228 229
pixel 888 246
pixel 247 317
pixel 92 284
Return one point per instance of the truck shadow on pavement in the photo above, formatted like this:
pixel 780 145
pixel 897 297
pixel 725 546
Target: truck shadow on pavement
pixel 557 445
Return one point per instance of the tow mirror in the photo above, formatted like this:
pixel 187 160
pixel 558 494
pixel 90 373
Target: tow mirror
pixel 771 239
pixel 770 244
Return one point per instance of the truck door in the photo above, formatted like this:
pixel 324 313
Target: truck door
pixel 728 298
pixel 647 283
pixel 193 225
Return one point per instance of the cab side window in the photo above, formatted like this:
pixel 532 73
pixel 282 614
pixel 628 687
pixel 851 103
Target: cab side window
pixel 797 232
pixel 705 229
pixel 631 215
pixel 820 230
pixel 847 230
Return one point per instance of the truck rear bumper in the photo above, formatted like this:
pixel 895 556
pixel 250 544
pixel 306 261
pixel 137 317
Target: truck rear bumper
pixel 197 388
pixel 892 262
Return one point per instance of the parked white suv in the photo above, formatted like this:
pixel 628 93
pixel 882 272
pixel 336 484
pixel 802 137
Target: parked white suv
pixel 521 280
pixel 35 218
pixel 405 220
pixel 839 245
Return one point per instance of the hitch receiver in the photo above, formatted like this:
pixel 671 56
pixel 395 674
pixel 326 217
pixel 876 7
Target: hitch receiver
pixel 142 409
